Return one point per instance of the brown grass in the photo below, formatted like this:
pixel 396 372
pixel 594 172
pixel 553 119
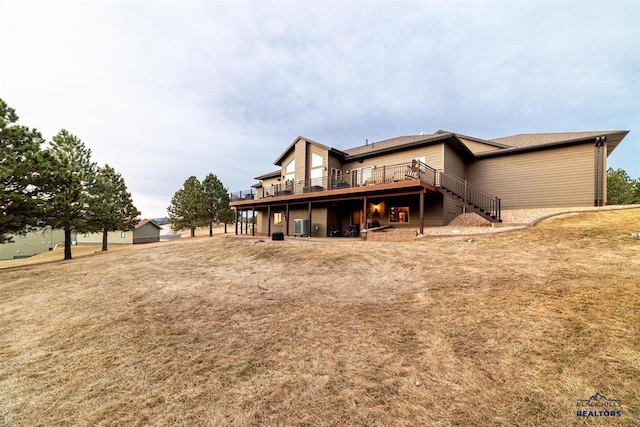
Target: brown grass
pixel 506 329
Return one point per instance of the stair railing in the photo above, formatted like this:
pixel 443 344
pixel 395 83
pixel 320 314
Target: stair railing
pixel 469 194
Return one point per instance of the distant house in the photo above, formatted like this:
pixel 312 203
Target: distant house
pixel 146 231
pixel 36 242
pixel 39 241
pixel 424 180
pixel 113 238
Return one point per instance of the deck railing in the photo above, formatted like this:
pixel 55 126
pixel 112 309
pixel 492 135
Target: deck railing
pixel 357 178
pixel 380 175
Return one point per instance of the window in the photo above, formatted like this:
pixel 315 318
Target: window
pixel 277 218
pixel 336 174
pixel 316 160
pixel 398 215
pixel 290 170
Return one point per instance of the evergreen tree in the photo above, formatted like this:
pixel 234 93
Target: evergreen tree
pixel 226 214
pixel 186 209
pixel 621 189
pixel 215 200
pixel 21 161
pixel 112 208
pixel 71 176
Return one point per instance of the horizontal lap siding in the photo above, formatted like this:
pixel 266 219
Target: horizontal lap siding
pixel 301 160
pixel 296 214
pixel 548 178
pixel 433 155
pixel 451 209
pixel 146 230
pixel 261 222
pixel 453 163
pixel 319 218
pixel 433 211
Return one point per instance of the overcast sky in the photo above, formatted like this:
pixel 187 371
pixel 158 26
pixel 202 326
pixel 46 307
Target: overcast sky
pixel 162 90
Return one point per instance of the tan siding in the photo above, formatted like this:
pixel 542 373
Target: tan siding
pixel 433 154
pixel 271 181
pixel 261 224
pixel 319 218
pixel 335 163
pixel 549 178
pixel 453 163
pixel 113 238
pixel 301 160
pixel 451 210
pixel 433 211
pixel 296 214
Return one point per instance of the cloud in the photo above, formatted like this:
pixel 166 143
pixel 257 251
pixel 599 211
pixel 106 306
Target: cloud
pixel 165 90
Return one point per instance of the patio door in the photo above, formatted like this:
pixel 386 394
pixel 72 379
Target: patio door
pixel 336 174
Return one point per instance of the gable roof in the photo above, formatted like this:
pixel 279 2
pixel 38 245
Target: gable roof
pixel 274 174
pixel 286 152
pixel 538 139
pixel 467 146
pixel 532 141
pixel 144 222
pixel 404 142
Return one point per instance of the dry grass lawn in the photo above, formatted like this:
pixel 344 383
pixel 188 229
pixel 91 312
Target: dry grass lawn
pixel 505 329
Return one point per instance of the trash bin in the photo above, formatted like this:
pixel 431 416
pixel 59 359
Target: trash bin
pixel 277 235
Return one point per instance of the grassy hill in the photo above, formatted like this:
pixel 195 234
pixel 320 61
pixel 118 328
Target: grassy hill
pixel 506 329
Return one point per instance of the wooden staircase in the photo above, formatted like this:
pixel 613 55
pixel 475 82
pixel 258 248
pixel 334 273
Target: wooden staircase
pixel 464 194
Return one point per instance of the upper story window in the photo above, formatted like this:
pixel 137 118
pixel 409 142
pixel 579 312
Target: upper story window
pixel 316 160
pixel 290 170
pixel 316 168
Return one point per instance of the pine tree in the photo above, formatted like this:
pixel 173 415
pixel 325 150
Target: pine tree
pixel 21 162
pixel 216 201
pixel 111 205
pixel 71 176
pixel 186 209
pixel 621 188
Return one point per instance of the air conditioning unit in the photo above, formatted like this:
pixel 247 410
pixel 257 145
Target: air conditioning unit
pixel 301 227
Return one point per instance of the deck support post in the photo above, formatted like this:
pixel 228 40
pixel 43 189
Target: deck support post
pixel 286 220
pixel 310 226
pixel 364 213
pixel 253 221
pixel 269 220
pixel 237 221
pixel 421 212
